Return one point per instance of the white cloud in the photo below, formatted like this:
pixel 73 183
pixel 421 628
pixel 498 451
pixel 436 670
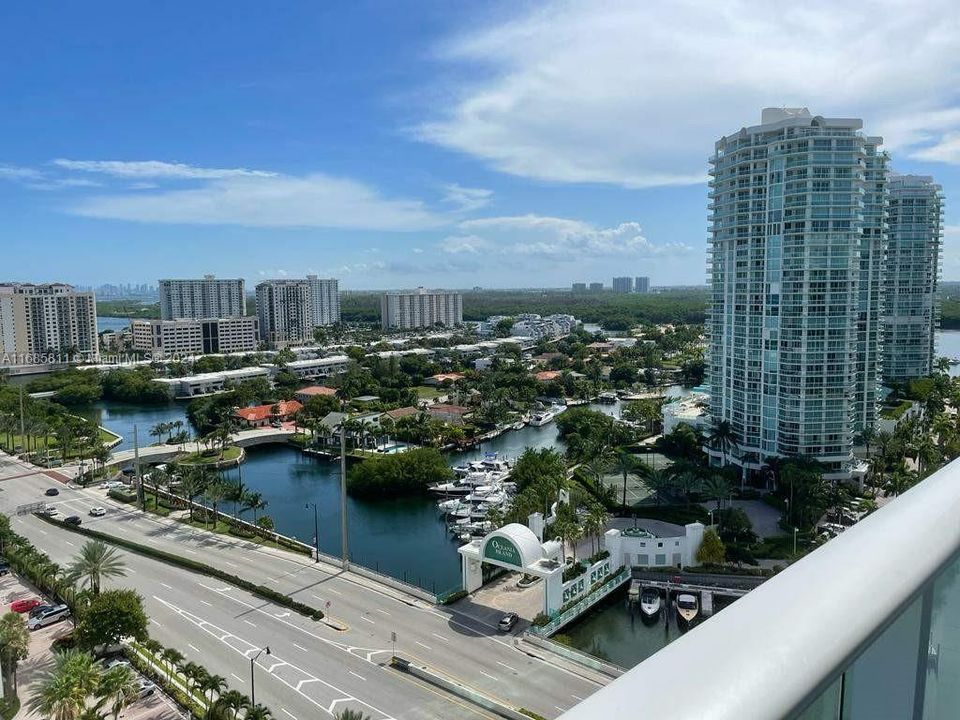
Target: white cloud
pixel 156 169
pixel 465 198
pixel 18 174
pixel 267 200
pixel 635 94
pixel 946 150
pixel 558 239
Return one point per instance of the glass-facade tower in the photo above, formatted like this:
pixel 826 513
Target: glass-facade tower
pixel 911 306
pixel 795 266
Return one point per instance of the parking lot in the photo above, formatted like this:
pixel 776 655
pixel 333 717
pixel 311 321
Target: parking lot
pixel 39 662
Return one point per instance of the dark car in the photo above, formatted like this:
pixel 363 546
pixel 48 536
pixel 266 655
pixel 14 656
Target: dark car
pixel 52 491
pixel 507 622
pixel 40 609
pixel 72 520
pixel 4 568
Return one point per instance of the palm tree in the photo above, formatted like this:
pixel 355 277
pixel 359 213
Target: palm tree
pixel 900 481
pixel 717 487
pixel 94 563
pixel 349 714
pixel 253 501
pixel 14 645
pixel 867 436
pixel 63 694
pixel 213 684
pixel 721 437
pixel 626 465
pixel 172 656
pixel 118 687
pixel 926 452
pixel 235 701
pixel 193 483
pixel 215 493
pixel 659 482
pixel 258 712
pixel 596 524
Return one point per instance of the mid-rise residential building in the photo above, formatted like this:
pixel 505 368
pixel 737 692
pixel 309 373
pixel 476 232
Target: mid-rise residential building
pixel 420 309
pixel 204 298
pixel 534 326
pixel 596 287
pixel 285 310
pixel 579 287
pixel 641 284
pixel 49 323
pixel 795 210
pixel 623 284
pixel 195 337
pixel 325 296
pixel 911 306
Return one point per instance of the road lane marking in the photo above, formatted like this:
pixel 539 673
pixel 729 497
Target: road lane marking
pixel 356 675
pixel 422 645
pixel 69 543
pixel 364 617
pixel 166 586
pixel 488 675
pixel 289 714
pixel 204 602
pixel 193 647
pixel 249 623
pixel 155 622
pixel 300 647
pixel 511 669
pixel 576 697
pixel 383 611
pixel 335 592
pixel 229 564
pixel 237 677
pixel 563 710
pixel 440 636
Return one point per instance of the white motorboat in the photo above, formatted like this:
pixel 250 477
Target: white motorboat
pixel 607 398
pixel 544 417
pixel 446 505
pixel 450 488
pixel 688 607
pixel 650 602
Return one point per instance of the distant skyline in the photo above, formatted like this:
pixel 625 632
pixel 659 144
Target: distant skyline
pixel 504 145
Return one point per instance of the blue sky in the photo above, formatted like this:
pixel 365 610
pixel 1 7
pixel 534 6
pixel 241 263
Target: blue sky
pixel 445 144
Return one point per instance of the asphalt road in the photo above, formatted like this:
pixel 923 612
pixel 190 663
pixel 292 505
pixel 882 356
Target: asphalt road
pixel 313 669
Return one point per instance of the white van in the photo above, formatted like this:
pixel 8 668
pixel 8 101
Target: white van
pixel 49 617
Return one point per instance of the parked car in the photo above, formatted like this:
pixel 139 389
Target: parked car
pixel 51 492
pixel 507 622
pixel 111 484
pixel 49 510
pixel 116 662
pixel 39 610
pixel 4 568
pixel 97 511
pixel 49 617
pixel 72 520
pixel 24 605
pixel 145 688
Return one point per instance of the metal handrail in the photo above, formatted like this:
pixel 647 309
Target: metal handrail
pixel 772 652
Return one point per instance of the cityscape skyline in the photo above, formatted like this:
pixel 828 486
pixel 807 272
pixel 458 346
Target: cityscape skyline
pixel 418 176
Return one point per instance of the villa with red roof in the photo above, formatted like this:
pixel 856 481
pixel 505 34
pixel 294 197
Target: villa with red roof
pixel 262 415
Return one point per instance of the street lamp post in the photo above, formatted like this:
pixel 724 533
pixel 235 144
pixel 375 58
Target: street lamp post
pixel 316 529
pixel 253 692
pixel 794 542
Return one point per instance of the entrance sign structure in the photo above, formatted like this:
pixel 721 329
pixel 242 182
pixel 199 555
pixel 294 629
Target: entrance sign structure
pixel 516 547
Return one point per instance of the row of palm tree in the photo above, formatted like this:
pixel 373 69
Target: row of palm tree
pixel 165 431
pixel 78 688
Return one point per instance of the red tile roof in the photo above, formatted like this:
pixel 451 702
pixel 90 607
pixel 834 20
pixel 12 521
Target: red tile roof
pixel 449 409
pixel 443 377
pixel 262 412
pixel 547 375
pixel 317 390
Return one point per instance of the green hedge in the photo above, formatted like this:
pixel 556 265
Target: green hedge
pixel 531 714
pixel 122 495
pixel 197 712
pixel 454 596
pixel 260 590
pixel 9 707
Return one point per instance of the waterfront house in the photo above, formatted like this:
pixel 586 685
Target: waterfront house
pixel 304 394
pixel 262 415
pixel 546 376
pixel 453 414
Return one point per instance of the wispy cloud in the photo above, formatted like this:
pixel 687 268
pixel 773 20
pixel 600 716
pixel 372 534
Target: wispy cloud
pixel 465 198
pixel 555 238
pixel 157 169
pixel 635 94
pixel 261 199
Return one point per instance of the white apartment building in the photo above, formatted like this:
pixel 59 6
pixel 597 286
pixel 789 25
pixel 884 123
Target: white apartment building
pixel 195 337
pixel 623 284
pixel 641 284
pixel 48 323
pixel 203 298
pixel 911 306
pixel 534 326
pixel 420 309
pixel 285 310
pixel 796 233
pixel 325 297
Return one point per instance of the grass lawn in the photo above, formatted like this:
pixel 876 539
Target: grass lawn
pixel 153 507
pixel 223 528
pixel 38 443
pixel 202 458
pixel 425 392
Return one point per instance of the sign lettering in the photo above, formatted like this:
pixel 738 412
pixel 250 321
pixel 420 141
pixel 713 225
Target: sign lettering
pixel 503 551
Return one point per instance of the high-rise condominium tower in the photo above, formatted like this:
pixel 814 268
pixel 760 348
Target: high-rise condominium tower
pixel 623 284
pixel 796 250
pixel 420 309
pixel 911 307
pixel 326 300
pixel 285 311
pixel 641 284
pixel 200 299
pixel 37 321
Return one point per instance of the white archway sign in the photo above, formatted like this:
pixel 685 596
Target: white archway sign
pixel 516 547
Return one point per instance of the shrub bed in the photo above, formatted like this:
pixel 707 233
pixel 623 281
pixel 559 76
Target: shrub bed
pixel 262 591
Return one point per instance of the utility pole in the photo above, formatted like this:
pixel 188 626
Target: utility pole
pixel 136 468
pixel 343 493
pixel 23 433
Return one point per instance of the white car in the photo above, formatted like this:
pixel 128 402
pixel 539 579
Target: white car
pixel 97 511
pixel 50 510
pixel 49 617
pixel 111 484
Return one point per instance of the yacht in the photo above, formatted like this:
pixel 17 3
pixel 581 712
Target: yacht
pixel 607 398
pixel 543 417
pixel 650 602
pixel 688 607
pixel 450 488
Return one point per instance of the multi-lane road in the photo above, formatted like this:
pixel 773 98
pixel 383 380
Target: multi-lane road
pixel 313 669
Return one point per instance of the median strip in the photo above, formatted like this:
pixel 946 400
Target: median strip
pixel 261 591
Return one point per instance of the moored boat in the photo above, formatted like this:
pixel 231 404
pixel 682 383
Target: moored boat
pixel 688 607
pixel 650 602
